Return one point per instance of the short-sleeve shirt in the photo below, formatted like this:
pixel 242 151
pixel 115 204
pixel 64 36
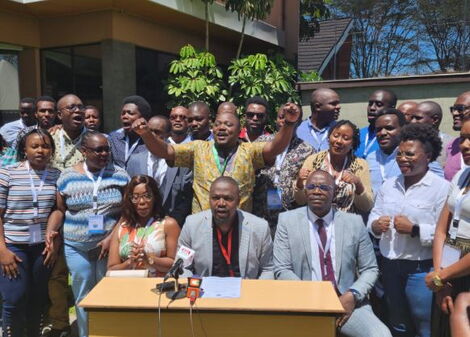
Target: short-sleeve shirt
pixel 77 190
pixel 16 198
pixel 67 152
pixel 199 157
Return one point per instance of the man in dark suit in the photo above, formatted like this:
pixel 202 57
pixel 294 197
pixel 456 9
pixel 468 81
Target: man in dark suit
pixel 319 243
pixel 175 183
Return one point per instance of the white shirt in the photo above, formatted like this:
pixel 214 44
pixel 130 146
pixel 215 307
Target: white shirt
pixel 421 203
pixel 10 130
pixel 329 227
pixel 464 224
pixel 186 140
pixel 160 172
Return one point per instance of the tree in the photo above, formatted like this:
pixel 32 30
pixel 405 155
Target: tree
pixel 248 9
pixel 256 75
pixel 207 3
pixel 195 77
pixel 311 11
pixel 383 35
pixel 446 26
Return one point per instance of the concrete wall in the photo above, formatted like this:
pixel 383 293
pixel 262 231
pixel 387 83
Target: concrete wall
pixel 354 94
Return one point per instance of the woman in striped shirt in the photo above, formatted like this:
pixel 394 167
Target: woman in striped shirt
pixel 89 204
pixel 27 197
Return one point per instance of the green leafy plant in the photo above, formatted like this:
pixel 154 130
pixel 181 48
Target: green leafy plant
pixel 195 77
pixel 310 76
pixel 271 78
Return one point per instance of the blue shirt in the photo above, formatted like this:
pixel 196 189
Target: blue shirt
pixel 383 167
pixel 310 134
pixel 368 144
pixel 118 142
pixel 10 130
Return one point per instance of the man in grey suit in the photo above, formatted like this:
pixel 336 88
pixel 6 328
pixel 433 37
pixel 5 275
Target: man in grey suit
pixel 175 183
pixel 227 240
pixel 317 242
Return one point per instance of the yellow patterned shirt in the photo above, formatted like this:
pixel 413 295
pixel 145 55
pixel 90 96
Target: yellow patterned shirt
pixel 198 156
pixel 67 151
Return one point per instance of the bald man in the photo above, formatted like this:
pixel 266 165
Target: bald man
pixel 430 112
pixel 324 104
pixel 454 162
pixel 378 100
pixel 407 108
pixel 200 121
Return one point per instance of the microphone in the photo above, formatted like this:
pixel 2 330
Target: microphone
pixel 184 257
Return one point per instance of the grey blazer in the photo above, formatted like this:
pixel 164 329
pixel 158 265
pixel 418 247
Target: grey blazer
pixel 176 190
pixel 255 252
pixel 355 262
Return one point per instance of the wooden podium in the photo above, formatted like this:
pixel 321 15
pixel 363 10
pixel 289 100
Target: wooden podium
pixel 128 307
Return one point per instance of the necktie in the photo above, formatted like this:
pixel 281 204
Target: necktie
pixel 326 263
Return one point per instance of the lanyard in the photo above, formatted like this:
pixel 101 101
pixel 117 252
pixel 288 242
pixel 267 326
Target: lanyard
pixel 381 156
pixel 96 185
pixel 227 253
pixel 330 168
pixel 33 187
pixel 129 149
pixel 320 245
pixel 319 141
pixel 217 161
pixel 368 145
pixel 279 160
pixel 458 208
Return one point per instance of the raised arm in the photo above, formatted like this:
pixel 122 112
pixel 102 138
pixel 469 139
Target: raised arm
pixel 154 144
pixel 282 138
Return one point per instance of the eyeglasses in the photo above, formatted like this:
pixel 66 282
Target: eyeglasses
pixel 73 107
pixel 99 149
pixel 135 198
pixel 325 188
pixel 251 115
pixel 459 108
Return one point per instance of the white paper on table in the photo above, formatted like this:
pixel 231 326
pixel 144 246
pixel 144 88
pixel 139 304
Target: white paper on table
pixel 221 287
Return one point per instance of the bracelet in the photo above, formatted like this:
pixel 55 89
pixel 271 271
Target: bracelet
pixel 437 281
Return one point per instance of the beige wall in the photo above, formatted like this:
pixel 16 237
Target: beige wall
pixel 354 100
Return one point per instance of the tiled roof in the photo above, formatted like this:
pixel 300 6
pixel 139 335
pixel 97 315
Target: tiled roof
pixel 315 53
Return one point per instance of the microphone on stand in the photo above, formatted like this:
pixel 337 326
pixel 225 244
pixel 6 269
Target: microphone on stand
pixel 184 258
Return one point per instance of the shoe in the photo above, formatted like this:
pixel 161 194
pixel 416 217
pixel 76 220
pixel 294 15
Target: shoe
pixel 48 331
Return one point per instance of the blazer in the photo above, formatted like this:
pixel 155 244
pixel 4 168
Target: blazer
pixel 255 245
pixel 355 262
pixel 176 190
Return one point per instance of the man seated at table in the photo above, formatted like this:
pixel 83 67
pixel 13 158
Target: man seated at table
pixel 317 242
pixel 227 241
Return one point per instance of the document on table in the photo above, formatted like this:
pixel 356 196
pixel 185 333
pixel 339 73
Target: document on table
pixel 221 287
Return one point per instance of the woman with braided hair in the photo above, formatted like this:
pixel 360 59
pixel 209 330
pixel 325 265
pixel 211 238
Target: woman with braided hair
pixel 353 191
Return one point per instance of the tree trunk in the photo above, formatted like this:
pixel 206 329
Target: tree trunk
pixel 239 51
pixel 207 25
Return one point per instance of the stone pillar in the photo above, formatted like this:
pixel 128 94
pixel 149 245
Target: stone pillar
pixel 119 79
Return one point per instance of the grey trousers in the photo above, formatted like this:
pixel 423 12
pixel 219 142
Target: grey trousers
pixel 363 323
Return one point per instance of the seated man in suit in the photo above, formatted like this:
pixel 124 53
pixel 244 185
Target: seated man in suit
pixel 227 240
pixel 175 183
pixel 317 242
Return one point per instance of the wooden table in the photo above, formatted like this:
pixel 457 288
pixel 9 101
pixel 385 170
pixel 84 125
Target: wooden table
pixel 128 307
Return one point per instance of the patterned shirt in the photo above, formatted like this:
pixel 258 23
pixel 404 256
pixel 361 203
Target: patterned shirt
pixel 16 198
pixel 67 151
pixel 8 157
pixel 296 154
pixel 77 190
pixel 199 157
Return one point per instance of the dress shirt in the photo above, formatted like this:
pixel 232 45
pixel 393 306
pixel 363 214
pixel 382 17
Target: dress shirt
pixel 367 133
pixel 220 267
pixel 10 130
pixel 455 187
pixel 383 167
pixel 117 140
pixel 210 137
pixel 421 203
pixel 156 168
pixel 186 140
pixel 310 134
pixel 330 233
pixel 454 160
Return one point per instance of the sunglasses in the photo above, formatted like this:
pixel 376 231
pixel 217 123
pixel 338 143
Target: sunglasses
pixel 322 187
pixel 99 149
pixel 459 108
pixel 258 115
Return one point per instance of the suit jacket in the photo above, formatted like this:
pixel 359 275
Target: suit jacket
pixel 355 262
pixel 255 245
pixel 176 190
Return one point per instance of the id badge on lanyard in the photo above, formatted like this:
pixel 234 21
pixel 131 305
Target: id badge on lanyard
pixel 274 200
pixel 35 234
pixel 95 221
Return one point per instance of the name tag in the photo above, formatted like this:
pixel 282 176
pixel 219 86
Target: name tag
pixel 274 199
pixel 450 255
pixel 96 224
pixel 35 234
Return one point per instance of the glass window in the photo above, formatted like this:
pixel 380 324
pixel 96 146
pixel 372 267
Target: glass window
pixel 9 86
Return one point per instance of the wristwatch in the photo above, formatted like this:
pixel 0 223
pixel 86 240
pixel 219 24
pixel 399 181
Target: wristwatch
pixel 356 295
pixel 415 231
pixel 437 281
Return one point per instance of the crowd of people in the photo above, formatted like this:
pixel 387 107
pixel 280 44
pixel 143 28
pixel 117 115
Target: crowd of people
pixel 381 212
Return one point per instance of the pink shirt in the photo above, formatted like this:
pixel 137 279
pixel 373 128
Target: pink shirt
pixel 454 159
